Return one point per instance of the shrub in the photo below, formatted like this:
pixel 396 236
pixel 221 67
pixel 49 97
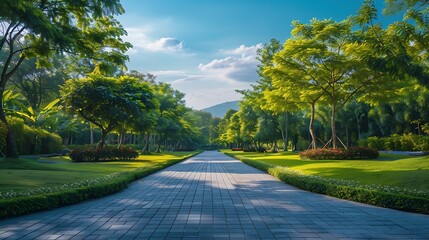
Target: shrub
pixel 103 154
pixel 19 203
pixel 375 143
pixel 249 150
pixel 3 133
pixel 31 140
pixel 237 149
pixel 258 149
pixel 406 142
pixel 339 153
pixel 395 198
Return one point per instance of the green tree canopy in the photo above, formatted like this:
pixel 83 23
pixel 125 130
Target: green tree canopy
pixel 107 102
pixel 38 29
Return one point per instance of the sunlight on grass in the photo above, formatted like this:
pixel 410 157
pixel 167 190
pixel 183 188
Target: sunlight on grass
pixel 28 173
pixel 392 170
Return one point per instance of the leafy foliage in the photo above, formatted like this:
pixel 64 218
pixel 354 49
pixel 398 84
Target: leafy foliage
pixel 34 29
pixel 352 153
pixel 107 102
pixel 32 140
pixel 406 142
pixel 103 154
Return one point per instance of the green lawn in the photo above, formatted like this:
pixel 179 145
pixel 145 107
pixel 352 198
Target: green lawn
pixel 29 173
pixel 391 170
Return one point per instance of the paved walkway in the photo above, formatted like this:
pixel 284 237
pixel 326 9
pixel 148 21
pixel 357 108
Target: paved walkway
pixel 212 196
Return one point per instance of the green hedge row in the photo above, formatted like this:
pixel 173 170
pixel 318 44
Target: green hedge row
pixel 346 189
pixel 113 183
pixel 352 153
pixel 30 140
pixel 406 142
pixel 103 154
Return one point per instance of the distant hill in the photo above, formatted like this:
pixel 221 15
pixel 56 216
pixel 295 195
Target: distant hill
pixel 219 110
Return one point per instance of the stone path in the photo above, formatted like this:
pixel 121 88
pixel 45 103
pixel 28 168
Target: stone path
pixel 212 196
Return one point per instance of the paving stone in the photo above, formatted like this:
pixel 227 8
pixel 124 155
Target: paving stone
pixel 212 196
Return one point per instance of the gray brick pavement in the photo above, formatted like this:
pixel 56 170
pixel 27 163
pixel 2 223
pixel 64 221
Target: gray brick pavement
pixel 212 196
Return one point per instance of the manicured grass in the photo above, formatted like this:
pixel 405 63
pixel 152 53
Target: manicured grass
pixel 389 170
pixel 29 173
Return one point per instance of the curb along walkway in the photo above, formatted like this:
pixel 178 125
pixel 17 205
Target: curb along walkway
pixel 212 196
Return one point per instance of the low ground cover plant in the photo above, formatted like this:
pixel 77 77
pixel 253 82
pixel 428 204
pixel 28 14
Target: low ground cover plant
pixel 103 154
pixel 351 153
pixel 383 196
pixel 394 181
pixel 104 178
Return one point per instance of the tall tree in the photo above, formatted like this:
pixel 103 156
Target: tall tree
pixel 334 61
pixel 107 102
pixel 37 28
pixel 171 111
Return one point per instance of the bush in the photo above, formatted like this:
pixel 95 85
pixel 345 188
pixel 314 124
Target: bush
pixel 382 196
pixel 249 150
pixel 237 149
pixel 258 149
pixel 3 133
pixel 19 203
pixel 31 140
pixel 103 154
pixel 406 142
pixel 352 153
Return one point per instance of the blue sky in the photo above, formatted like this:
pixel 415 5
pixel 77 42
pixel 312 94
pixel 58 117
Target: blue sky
pixel 207 48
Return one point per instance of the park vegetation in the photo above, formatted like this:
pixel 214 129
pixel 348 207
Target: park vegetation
pixel 333 85
pixel 337 84
pixel 64 85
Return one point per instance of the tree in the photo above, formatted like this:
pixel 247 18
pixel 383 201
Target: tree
pixel 31 29
pixel 107 102
pixel 171 111
pixel 332 62
pixel 39 86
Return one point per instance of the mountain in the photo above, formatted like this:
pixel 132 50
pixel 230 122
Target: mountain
pixel 219 110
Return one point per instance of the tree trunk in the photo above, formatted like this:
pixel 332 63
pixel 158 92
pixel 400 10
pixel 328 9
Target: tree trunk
pixel 11 147
pixel 347 136
pixel 146 144
pixel 310 128
pixel 358 127
pixel 120 140
pixel 91 135
pixel 102 142
pixel 275 147
pixel 285 139
pixel 333 127
pixel 158 150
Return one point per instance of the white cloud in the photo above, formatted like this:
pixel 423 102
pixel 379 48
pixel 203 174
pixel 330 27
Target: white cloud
pixel 240 67
pixel 168 72
pixel 140 39
pixel 243 50
pixel 165 45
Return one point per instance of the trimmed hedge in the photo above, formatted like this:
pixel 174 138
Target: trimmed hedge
pixel 352 153
pixel 406 142
pixel 103 154
pixel 30 140
pixel 368 194
pixel 100 187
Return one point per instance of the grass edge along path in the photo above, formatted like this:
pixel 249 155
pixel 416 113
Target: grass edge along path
pixel 339 188
pixel 85 190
